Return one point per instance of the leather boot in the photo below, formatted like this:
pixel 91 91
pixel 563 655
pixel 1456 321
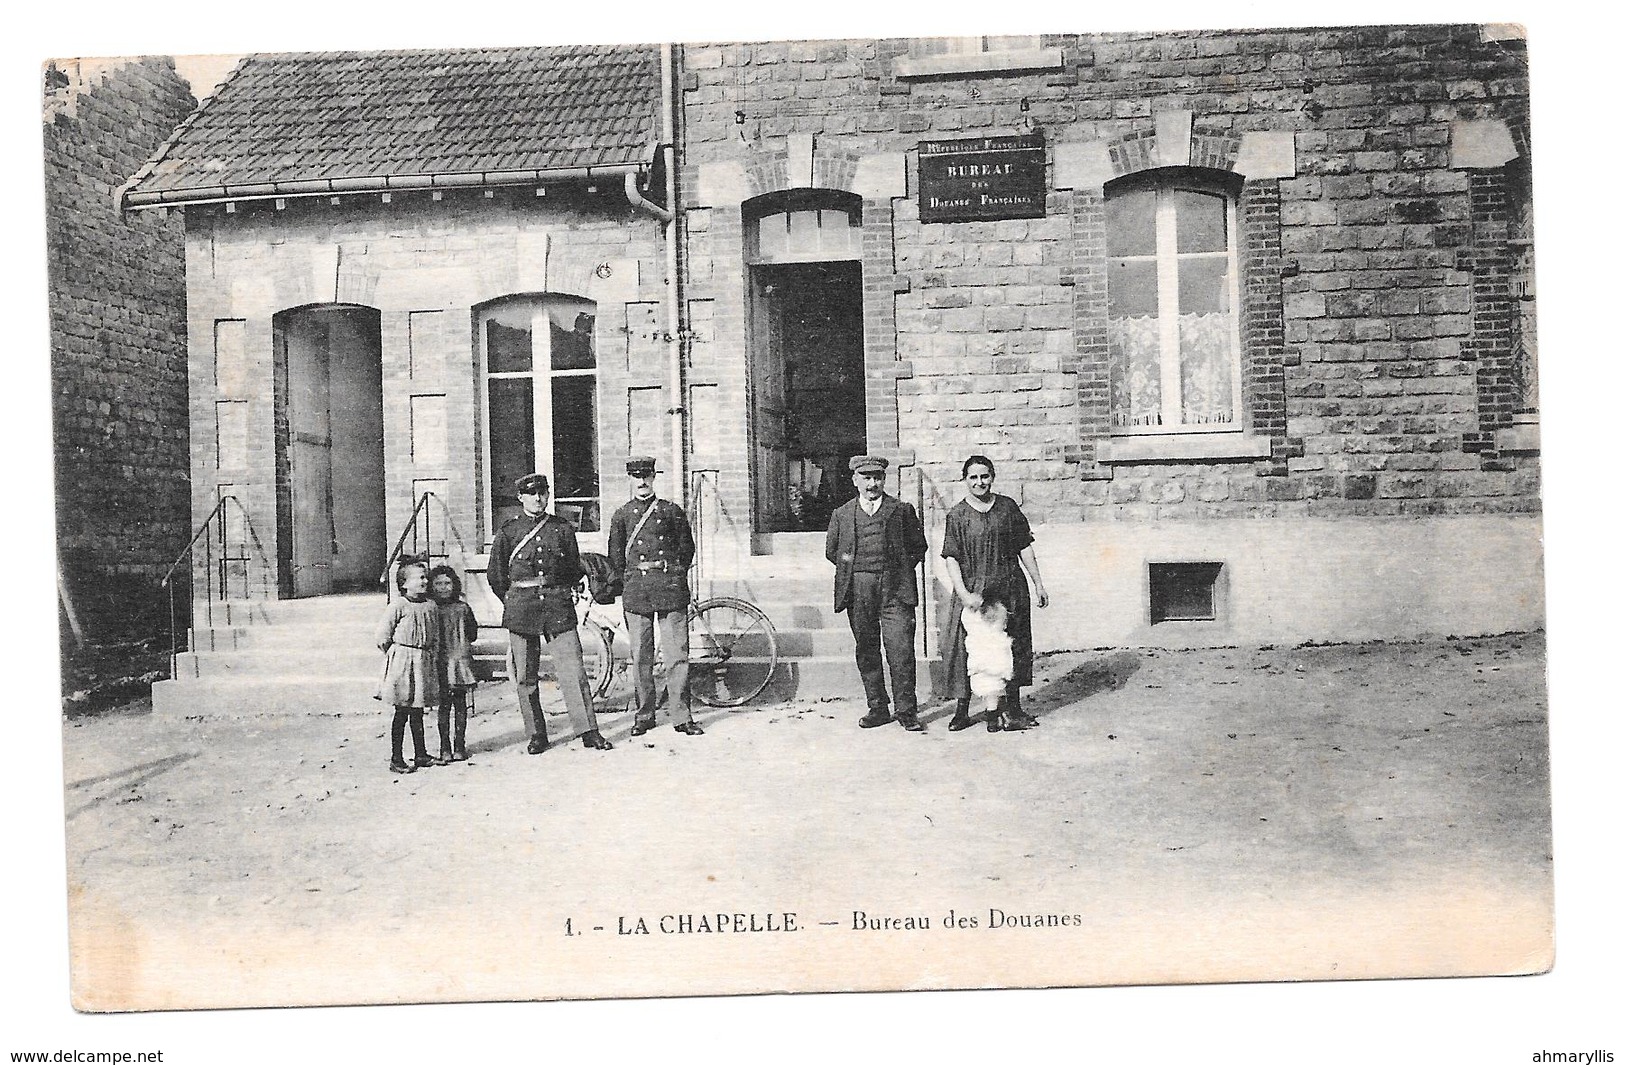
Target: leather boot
pixel 459 736
pixel 1016 719
pixel 961 719
pixel 443 726
pixel 538 742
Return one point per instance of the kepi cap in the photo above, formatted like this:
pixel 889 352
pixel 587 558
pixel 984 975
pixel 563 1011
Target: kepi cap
pixel 640 466
pixel 531 484
pixel 867 464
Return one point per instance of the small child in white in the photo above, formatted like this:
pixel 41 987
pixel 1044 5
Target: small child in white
pixel 988 660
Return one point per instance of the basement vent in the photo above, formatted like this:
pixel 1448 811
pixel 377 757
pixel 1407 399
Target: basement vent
pixel 1184 591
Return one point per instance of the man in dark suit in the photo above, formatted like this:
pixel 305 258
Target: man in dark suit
pixel 875 542
pixel 534 567
pixel 651 548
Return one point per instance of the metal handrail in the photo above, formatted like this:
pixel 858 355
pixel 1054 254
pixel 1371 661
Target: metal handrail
pixel 210 576
pixel 187 550
pixel 411 528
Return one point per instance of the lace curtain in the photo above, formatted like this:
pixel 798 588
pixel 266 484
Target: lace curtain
pixel 1206 370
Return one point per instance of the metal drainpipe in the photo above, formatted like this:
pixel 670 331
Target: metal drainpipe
pixel 675 375
pixel 674 280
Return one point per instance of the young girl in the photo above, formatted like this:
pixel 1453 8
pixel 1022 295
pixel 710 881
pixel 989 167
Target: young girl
pixel 458 630
pixel 410 640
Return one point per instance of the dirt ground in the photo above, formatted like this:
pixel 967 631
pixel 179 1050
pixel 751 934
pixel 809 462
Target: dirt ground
pixel 1318 812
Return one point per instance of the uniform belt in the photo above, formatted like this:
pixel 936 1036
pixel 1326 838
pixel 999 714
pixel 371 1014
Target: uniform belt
pixel 646 567
pixel 413 646
pixel 539 584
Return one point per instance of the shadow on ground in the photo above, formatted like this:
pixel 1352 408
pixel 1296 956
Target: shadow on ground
pixel 1107 673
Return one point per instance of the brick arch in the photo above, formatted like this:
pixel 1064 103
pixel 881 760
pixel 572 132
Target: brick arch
pixel 831 168
pixel 1173 144
pixel 1257 160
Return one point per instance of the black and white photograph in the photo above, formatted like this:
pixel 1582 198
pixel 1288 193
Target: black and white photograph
pixel 574 523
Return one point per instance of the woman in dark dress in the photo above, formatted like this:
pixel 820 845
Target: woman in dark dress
pixel 987 544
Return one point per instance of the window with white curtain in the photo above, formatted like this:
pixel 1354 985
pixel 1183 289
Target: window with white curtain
pixel 1172 296
pixel 539 386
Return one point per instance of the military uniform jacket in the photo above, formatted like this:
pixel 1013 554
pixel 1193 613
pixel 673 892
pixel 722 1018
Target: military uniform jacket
pixel 665 539
pixel 904 548
pixel 552 558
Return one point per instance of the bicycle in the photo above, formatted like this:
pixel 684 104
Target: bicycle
pixel 733 648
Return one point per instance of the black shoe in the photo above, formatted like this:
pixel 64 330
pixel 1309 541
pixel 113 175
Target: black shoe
pixel 593 741
pixel 639 728
pixel 426 761
pixel 910 722
pixel 961 721
pixel 398 766
pixel 537 745
pixel 1015 721
pixel 689 728
pixel 995 721
pixel 874 719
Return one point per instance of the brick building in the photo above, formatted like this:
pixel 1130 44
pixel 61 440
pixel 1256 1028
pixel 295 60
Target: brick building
pixel 1249 349
pixel 1244 317
pixel 117 298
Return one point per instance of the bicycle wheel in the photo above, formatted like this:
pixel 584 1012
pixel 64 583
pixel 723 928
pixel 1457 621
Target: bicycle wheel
pixel 597 656
pixel 732 651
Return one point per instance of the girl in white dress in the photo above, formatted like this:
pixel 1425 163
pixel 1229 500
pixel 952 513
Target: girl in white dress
pixel 410 640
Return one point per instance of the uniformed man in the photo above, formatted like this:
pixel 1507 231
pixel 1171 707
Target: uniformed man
pixel 651 548
pixel 876 542
pixel 534 567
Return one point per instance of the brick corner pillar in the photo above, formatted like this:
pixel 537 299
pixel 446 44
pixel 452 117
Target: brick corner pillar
pixel 1263 329
pixel 1091 360
pixel 881 368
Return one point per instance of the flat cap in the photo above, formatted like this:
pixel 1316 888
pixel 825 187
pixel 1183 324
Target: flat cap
pixel 531 484
pixel 640 466
pixel 867 464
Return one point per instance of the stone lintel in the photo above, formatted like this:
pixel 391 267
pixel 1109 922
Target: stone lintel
pixel 1082 165
pixel 1267 154
pixel 1480 144
pixel 1174 138
pixel 882 176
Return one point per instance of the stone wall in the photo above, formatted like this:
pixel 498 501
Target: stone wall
pixel 118 343
pixel 425 263
pixel 1373 253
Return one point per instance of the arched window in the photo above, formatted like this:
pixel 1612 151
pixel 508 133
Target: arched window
pixel 539 370
pixel 1172 295
pixel 805 226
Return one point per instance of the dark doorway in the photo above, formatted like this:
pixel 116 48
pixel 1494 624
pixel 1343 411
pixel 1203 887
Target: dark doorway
pixel 329 450
pixel 807 391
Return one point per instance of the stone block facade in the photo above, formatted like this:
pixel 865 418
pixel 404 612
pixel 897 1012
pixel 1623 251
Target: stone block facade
pixel 1372 247
pixel 425 264
pixel 117 303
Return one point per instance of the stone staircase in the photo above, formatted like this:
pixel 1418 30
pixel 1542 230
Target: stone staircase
pixel 304 656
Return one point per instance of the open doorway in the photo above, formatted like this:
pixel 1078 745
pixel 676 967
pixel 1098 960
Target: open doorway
pixel 808 396
pixel 807 407
pixel 329 450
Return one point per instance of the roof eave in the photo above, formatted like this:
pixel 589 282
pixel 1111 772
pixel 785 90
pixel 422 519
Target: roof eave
pixel 135 199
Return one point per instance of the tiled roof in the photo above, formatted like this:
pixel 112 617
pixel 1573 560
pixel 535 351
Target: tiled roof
pixel 347 121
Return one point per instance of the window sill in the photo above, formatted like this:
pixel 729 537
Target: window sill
pixel 979 63
pixel 1183 447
